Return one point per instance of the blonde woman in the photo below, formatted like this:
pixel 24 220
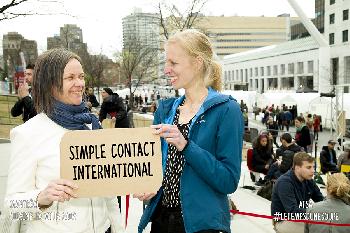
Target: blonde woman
pixel 338 201
pixel 201 135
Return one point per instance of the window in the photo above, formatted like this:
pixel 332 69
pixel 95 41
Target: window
pixel 331 18
pixel 262 71
pixel 251 72
pixel 275 70
pixel 291 68
pixel 331 38
pixel 300 67
pixel 256 71
pixel 345 35
pixel 268 70
pixel 233 75
pixel 283 69
pixel 331 2
pixel 346 14
pixel 310 66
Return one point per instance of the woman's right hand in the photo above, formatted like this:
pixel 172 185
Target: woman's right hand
pixel 144 196
pixel 58 190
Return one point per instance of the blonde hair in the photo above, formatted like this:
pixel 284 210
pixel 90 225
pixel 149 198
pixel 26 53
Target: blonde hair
pixel 196 44
pixel 338 185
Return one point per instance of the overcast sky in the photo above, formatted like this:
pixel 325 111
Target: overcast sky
pixel 101 22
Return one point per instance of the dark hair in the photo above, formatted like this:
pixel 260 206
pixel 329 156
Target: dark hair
pixel 108 90
pixel 287 137
pixel 48 75
pixel 299 118
pixel 300 157
pixel 30 66
pixel 257 145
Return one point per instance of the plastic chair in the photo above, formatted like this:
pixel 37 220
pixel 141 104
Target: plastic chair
pixel 253 174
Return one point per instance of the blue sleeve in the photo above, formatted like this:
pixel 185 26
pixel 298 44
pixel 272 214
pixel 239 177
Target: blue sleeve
pixel 222 170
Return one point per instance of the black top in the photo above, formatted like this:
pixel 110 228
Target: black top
pixel 114 106
pixel 24 106
pixel 173 169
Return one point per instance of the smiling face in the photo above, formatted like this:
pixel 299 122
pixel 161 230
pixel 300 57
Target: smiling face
pixel 73 84
pixel 181 68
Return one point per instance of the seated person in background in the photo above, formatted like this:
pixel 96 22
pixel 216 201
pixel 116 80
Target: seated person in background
pixel 286 152
pixel 344 158
pixel 338 201
pixel 293 191
pixel 262 154
pixel 328 158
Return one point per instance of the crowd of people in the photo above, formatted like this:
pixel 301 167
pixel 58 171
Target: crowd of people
pixel 201 137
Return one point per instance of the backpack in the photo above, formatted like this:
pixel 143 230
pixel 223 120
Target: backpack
pixel 266 190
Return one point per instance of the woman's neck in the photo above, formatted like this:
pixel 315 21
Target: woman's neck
pixel 196 95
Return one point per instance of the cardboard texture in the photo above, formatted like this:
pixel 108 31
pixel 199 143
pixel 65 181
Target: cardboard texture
pixel 111 162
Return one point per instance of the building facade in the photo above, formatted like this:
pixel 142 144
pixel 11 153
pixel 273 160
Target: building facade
pixel 237 34
pixel 295 65
pixel 141 36
pixel 13 44
pixel 337 33
pixel 298 30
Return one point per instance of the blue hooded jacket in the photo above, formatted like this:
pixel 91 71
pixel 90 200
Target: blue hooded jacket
pixel 212 162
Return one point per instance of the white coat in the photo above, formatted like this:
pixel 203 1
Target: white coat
pixel 34 163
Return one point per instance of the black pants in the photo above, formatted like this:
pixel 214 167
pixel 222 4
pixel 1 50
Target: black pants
pixel 169 220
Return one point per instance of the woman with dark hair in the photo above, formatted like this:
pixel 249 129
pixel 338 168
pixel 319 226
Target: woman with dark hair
pixel 262 153
pixel 34 172
pixel 302 136
pixel 114 108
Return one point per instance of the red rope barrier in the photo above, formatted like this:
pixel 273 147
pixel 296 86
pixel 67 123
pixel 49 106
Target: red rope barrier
pixel 305 221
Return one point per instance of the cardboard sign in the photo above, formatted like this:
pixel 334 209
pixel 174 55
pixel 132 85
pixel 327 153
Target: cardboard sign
pixel 112 162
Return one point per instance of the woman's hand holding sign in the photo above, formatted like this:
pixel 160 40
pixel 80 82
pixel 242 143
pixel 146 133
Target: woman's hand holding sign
pixel 58 190
pixel 144 196
pixel 171 134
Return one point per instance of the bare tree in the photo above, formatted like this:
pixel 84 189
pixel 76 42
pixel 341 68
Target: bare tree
pixel 171 18
pixel 137 62
pixel 10 9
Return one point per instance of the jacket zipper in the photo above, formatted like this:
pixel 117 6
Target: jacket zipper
pixel 92 215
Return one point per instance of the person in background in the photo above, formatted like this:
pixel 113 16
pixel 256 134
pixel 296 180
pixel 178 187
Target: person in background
pixel 92 101
pixel 344 158
pixel 328 158
pixel 272 127
pixel 316 126
pixel 201 137
pixel 262 154
pixel 24 105
pixel 114 108
pixel 293 191
pixel 302 136
pixel 34 171
pixel 337 202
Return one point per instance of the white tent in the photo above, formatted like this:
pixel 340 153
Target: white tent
pixel 248 97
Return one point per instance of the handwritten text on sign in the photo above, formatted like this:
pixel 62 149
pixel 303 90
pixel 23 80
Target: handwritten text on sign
pixel 112 161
